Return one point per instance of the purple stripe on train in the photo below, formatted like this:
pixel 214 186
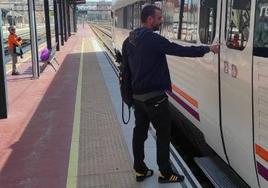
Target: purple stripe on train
pixel 184 105
pixel 262 171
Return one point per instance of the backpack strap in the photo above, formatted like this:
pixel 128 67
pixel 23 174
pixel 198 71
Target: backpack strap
pixel 123 116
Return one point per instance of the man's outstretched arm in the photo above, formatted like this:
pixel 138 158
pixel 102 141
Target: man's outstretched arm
pixel 165 46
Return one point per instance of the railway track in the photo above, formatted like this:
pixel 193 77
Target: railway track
pixel 105 37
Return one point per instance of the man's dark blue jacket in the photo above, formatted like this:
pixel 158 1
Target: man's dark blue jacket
pixel 145 52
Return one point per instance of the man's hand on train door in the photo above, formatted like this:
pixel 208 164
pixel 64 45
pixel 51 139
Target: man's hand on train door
pixel 215 48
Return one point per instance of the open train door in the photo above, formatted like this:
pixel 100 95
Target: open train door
pixel 236 86
pixel 260 90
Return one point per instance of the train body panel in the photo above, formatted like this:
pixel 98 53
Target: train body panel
pixel 196 84
pixel 260 91
pixel 225 95
pixel 261 116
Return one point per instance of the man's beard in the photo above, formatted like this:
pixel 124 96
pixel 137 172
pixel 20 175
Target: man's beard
pixel 156 28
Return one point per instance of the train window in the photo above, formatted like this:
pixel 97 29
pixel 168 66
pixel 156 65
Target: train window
pixel 261 29
pixel 171 19
pixel 136 15
pixel 119 18
pixel 238 18
pixel 129 17
pixel 189 21
pixel 207 22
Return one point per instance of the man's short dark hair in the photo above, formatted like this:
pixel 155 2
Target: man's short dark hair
pixel 148 10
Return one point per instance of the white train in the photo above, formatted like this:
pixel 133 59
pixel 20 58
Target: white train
pixel 225 96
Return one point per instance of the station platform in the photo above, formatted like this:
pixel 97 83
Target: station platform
pixel 65 129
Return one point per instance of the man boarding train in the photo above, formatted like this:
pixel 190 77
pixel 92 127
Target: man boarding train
pixel 144 56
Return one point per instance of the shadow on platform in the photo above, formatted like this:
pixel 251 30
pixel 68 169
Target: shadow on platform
pixel 40 157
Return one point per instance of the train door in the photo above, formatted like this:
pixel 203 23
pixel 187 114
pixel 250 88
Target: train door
pixel 260 90
pixel 236 86
pixel 208 76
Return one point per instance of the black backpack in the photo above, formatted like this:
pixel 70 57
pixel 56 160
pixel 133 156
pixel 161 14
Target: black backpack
pixel 125 84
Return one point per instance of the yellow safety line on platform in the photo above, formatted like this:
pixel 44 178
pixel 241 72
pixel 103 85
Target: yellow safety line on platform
pixel 74 152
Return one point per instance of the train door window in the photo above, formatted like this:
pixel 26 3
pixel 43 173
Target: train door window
pixel 261 29
pixel 119 18
pixel 189 21
pixel 238 19
pixel 171 19
pixel 129 16
pixel 136 15
pixel 207 21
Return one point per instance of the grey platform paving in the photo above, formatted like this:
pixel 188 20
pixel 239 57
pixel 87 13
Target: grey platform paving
pixel 105 154
pixel 104 160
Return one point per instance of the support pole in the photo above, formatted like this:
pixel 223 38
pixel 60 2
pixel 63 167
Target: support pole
pixel 75 19
pixel 3 91
pixel 47 21
pixel 61 22
pixel 33 34
pixel 55 7
pixel 65 20
pixel 68 20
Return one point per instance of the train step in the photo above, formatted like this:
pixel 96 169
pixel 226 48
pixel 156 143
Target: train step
pixel 219 173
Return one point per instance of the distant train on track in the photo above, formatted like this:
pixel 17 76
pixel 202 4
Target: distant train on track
pixel 224 96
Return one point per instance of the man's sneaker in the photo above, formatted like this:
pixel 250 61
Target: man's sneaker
pixel 142 176
pixel 172 178
pixel 15 73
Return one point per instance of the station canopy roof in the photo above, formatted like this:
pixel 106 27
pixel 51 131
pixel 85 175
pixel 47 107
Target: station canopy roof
pixel 77 2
